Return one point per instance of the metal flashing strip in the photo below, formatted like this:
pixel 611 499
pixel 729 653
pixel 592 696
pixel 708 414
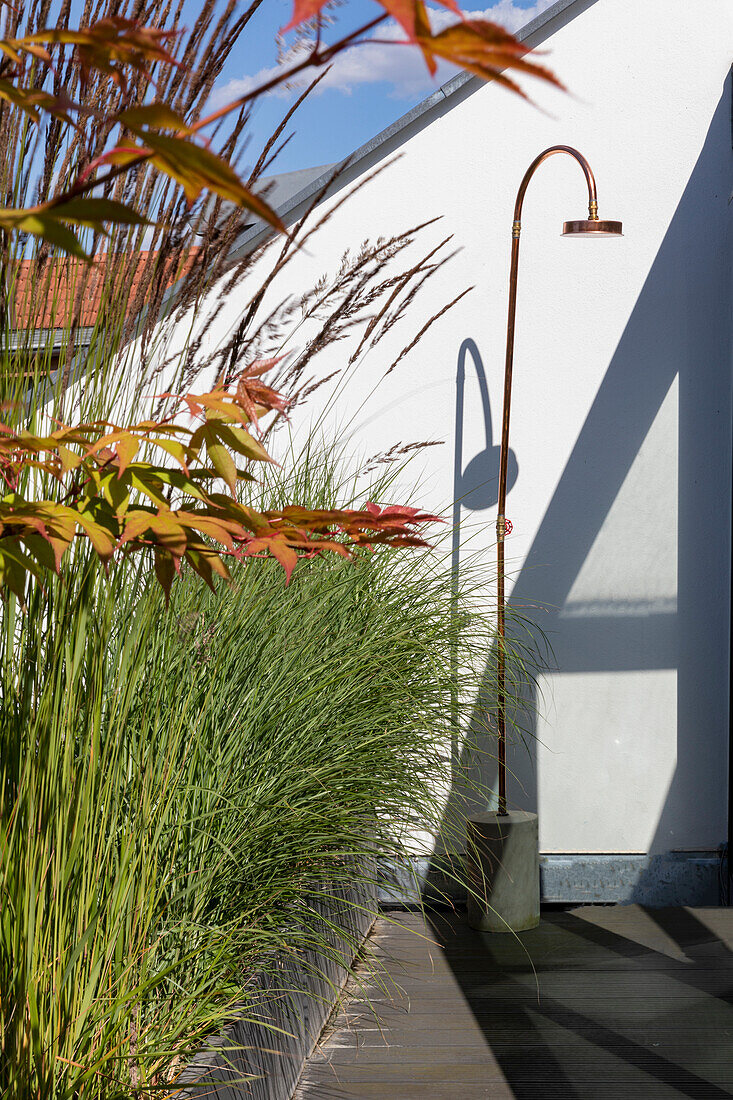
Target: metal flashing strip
pixel 576 878
pixel 670 878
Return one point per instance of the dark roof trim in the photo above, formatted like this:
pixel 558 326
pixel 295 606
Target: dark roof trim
pixel 252 237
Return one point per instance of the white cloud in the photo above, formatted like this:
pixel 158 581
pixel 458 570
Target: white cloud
pixel 401 67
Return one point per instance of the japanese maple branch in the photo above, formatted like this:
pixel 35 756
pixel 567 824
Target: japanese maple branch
pixel 315 59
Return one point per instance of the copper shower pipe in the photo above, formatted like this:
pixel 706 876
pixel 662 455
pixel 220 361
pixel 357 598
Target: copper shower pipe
pixel 592 227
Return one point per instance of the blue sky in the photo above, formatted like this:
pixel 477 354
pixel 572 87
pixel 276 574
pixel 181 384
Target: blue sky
pixel 368 88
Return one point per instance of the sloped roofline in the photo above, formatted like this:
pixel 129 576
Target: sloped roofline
pixel 329 182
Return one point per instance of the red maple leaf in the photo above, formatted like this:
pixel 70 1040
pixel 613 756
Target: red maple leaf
pixel 252 392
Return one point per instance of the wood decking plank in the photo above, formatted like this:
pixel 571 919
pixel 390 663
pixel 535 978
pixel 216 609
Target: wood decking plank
pixel 632 1003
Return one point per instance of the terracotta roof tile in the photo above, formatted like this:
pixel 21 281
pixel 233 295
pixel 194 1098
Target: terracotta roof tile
pixel 66 291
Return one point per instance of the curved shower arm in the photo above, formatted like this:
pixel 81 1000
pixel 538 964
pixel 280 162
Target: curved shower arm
pixel 587 171
pixel 516 229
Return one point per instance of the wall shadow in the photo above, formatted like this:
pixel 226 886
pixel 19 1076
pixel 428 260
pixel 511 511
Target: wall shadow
pixel 674 331
pixel 477 486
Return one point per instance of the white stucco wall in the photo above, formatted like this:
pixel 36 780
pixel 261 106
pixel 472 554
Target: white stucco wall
pixel 622 399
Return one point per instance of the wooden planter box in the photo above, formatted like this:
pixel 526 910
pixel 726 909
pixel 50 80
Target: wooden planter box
pixel 260 1055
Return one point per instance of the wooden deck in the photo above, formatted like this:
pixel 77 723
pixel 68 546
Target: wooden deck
pixel 598 1002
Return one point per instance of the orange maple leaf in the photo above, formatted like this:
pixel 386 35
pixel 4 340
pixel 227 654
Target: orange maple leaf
pixel 485 49
pixel 410 14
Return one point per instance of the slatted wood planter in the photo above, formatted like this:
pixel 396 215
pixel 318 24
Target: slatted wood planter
pixel 260 1055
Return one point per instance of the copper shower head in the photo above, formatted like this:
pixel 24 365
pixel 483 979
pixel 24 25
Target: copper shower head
pixel 592 227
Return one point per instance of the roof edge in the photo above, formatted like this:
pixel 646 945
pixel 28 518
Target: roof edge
pixel 326 181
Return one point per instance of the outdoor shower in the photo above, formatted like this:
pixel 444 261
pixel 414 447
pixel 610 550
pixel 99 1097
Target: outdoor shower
pixel 589 228
pixel 502 857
